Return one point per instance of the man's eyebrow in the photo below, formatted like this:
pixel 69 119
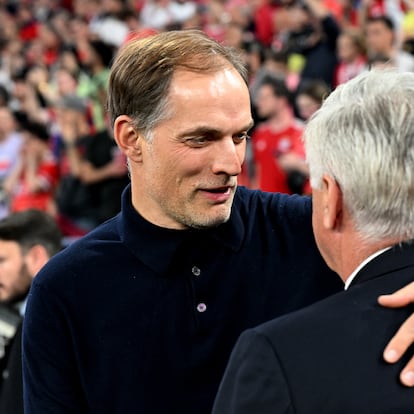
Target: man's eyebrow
pixel 208 130
pixel 249 126
pixel 200 130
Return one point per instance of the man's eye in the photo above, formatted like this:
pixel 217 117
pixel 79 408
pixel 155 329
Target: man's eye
pixel 197 141
pixel 241 137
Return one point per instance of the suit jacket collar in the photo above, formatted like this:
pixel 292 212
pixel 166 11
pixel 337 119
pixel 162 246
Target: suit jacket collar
pixel 398 257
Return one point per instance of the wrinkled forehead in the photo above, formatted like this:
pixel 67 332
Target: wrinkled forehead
pixel 224 85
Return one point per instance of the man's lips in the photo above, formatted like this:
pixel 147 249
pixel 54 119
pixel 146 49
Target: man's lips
pixel 221 190
pixel 218 194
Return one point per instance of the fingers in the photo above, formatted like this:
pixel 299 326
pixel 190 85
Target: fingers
pixel 407 375
pixel 398 345
pixel 404 337
pixel 398 299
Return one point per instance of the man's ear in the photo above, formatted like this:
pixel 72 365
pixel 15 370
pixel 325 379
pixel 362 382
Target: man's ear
pixel 127 138
pixel 36 258
pixel 332 203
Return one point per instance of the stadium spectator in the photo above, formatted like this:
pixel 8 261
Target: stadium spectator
pixel 277 137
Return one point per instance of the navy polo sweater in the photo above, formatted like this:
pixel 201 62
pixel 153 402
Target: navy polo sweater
pixel 135 318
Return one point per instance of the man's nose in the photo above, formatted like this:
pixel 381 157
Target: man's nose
pixel 228 157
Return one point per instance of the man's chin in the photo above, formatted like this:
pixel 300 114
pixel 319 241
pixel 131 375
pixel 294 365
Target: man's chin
pixel 13 299
pixel 203 223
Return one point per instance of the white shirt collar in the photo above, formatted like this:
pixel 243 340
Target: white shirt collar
pixel 21 307
pixel 364 263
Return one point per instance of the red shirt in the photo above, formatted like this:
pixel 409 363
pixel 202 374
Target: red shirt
pixel 24 199
pixel 267 147
pixel 346 71
pixel 264 26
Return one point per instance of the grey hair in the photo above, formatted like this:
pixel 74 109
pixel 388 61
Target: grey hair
pixel 363 137
pixel 141 74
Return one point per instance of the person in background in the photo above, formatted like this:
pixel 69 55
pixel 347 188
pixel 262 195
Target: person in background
pixel 274 63
pixel 10 145
pixel 393 9
pixel 360 150
pixel 34 179
pixel 28 239
pixel 352 59
pixel 381 39
pixel 277 142
pixel 309 98
pixel 312 32
pixel 109 24
pixel 407 28
pixel 94 172
pixel 26 99
pixel 145 317
pixel 165 14
pixel 76 215
pixel 96 57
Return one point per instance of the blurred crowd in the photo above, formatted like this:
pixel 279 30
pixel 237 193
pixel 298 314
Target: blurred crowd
pixel 57 153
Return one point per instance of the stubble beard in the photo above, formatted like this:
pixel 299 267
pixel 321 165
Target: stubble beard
pixel 200 221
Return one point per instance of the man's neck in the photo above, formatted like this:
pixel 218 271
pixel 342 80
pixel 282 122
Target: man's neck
pixel 352 276
pixel 358 254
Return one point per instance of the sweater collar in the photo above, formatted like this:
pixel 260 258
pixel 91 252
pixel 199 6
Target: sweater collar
pixel 157 247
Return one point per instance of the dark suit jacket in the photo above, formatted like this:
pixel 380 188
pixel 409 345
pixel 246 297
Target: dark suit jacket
pixel 326 358
pixel 11 390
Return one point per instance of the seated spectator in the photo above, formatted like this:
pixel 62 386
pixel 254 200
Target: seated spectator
pixel 278 64
pixel 93 174
pixel 381 38
pixel 393 9
pixel 10 145
pixel 108 24
pixel 344 11
pixel 312 32
pixel 351 56
pixel 265 12
pixel 96 57
pixel 310 97
pixel 407 28
pixel 26 98
pixel 27 240
pixel 33 181
pixel 164 14
pixel 277 147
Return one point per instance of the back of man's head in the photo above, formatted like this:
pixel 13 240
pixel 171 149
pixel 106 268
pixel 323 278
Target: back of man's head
pixel 363 137
pixel 32 227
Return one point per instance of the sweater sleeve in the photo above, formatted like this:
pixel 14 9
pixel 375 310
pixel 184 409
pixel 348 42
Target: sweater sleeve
pixel 50 379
